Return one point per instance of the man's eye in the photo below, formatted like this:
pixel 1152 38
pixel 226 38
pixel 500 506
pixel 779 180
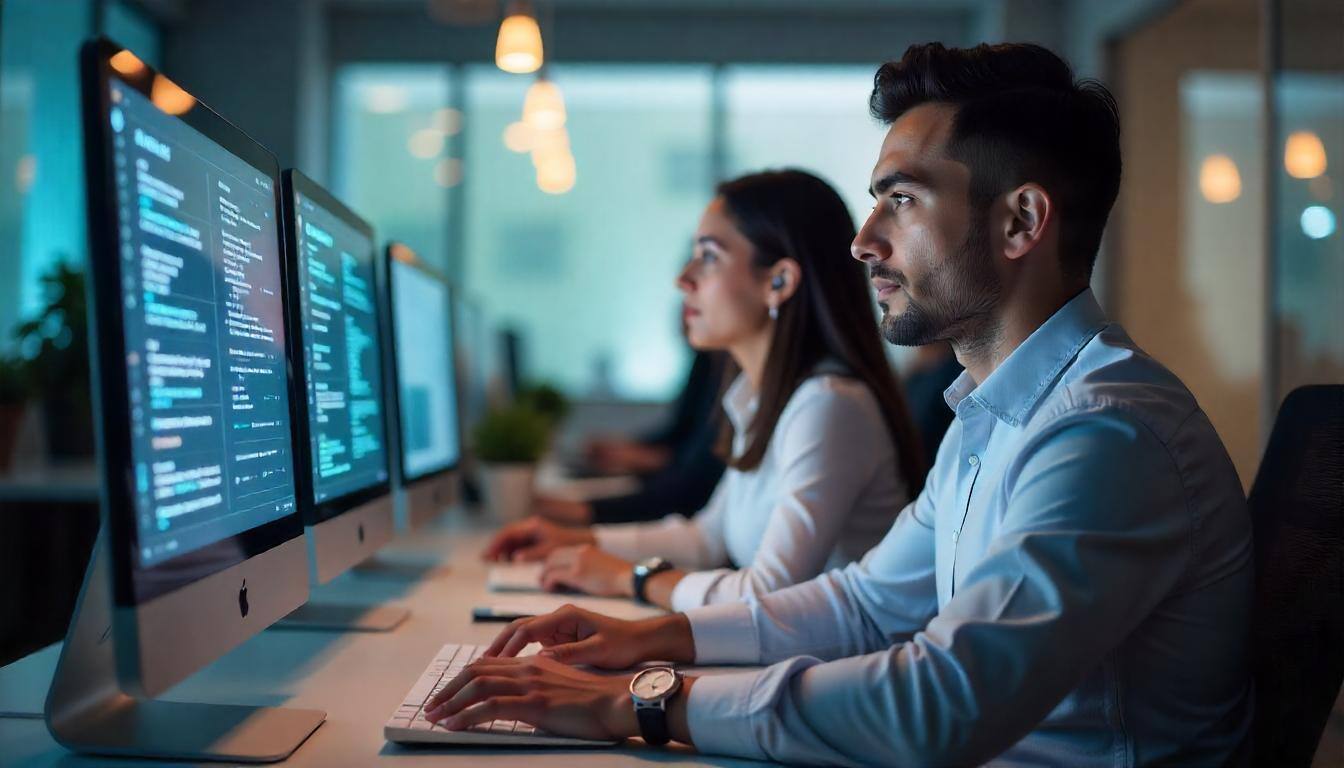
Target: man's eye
pixel 899 199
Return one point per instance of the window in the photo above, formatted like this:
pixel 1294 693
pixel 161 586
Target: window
pixel 641 138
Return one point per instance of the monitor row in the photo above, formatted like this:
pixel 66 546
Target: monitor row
pixel 252 344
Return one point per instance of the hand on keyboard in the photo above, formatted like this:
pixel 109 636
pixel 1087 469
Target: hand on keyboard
pixel 533 539
pixel 550 695
pixel 575 636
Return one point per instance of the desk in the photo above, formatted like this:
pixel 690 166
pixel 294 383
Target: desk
pixel 357 678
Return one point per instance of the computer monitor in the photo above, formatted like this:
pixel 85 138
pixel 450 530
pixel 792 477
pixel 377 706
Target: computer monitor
pixel 341 439
pixel 425 384
pixel 201 544
pixel 345 496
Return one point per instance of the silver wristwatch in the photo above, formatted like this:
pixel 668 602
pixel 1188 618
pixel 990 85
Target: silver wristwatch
pixel 650 690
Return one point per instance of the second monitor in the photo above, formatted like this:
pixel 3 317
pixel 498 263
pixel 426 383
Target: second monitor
pixel 345 492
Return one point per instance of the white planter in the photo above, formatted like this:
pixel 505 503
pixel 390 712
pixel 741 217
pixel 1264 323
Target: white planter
pixel 508 490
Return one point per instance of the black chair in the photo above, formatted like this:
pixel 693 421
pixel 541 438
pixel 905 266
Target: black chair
pixel 1297 509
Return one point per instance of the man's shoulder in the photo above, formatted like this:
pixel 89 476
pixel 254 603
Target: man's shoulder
pixel 1111 376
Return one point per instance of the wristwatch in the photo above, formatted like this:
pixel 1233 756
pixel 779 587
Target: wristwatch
pixel 643 570
pixel 650 690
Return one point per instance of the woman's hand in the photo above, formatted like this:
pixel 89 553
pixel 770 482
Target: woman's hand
pixel 539 691
pixel 563 511
pixel 533 539
pixel 575 636
pixel 588 569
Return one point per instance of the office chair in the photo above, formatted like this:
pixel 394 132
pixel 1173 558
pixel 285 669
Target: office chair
pixel 1297 511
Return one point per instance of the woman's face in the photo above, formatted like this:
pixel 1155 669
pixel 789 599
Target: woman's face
pixel 725 298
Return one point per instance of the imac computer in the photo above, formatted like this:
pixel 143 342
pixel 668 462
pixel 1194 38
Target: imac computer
pixel 341 440
pixel 201 545
pixel 425 385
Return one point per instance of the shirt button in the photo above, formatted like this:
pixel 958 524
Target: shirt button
pixel 973 460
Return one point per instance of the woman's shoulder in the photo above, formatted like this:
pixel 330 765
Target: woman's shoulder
pixel 831 394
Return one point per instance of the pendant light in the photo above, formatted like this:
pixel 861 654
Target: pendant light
pixel 518 49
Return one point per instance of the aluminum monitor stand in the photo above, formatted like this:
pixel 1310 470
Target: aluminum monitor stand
pixel 86 710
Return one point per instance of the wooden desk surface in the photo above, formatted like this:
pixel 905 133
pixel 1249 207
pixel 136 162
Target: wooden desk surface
pixel 357 678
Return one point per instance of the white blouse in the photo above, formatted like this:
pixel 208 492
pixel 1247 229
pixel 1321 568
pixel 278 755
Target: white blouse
pixel 826 491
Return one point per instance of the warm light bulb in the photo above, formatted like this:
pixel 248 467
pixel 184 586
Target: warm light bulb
pixel 127 63
pixel 1219 180
pixel 557 174
pixel 447 121
pixel 169 96
pixel 518 49
pixel 544 106
pixel 548 144
pixel 1304 155
pixel 518 137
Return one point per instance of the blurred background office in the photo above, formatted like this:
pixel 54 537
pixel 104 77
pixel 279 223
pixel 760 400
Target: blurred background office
pixel 1223 259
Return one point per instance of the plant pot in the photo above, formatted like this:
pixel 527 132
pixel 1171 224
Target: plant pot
pixel 508 490
pixel 11 418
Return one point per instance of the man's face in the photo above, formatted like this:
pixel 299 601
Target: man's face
pixel 928 250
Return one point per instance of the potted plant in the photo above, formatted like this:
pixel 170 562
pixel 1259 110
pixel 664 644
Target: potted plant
pixel 14 390
pixel 509 442
pixel 547 400
pixel 56 345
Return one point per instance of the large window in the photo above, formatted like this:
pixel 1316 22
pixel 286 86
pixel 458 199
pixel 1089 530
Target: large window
pixel 812 118
pixel 394 161
pixel 587 275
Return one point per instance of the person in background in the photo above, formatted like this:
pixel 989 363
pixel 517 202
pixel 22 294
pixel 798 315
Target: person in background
pixel 821 451
pixel 676 464
pixel 1073 586
pixel 928 375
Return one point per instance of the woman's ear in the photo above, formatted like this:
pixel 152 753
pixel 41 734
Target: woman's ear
pixel 785 278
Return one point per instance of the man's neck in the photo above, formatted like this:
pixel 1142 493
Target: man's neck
pixel 981 350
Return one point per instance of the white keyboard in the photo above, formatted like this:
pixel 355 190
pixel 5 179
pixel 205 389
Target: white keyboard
pixel 408 724
pixel 514 577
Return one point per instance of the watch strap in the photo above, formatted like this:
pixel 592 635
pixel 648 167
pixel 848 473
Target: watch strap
pixel 653 724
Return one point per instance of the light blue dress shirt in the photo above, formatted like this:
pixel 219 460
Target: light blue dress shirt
pixel 1073 587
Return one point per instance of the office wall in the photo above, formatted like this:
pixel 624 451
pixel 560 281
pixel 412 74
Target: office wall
pixel 1187 274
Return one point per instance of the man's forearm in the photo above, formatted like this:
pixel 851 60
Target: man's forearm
pixel 668 638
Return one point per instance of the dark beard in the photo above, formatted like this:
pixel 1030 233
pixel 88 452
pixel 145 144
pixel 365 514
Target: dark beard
pixel 953 294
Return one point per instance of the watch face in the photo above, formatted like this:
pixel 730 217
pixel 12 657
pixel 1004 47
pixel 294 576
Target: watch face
pixel 653 684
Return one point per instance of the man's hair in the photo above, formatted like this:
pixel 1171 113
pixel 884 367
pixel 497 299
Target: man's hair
pixel 1020 117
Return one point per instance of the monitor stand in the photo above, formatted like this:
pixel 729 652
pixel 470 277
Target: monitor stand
pixel 336 617
pixel 86 710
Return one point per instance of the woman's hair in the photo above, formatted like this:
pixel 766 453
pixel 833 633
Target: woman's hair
pixel 793 214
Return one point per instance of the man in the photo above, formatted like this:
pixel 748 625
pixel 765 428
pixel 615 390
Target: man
pixel 1073 585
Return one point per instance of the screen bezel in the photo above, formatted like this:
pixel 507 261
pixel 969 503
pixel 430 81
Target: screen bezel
pixel 414 261
pixel 132 583
pixel 314 511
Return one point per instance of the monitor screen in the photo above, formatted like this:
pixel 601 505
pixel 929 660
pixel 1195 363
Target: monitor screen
pixel 341 356
pixel 426 384
pixel 203 324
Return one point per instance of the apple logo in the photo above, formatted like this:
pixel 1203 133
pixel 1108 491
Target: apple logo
pixel 361 533
pixel 242 599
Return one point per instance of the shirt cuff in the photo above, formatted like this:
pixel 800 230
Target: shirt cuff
pixel 693 589
pixel 620 540
pixel 724 634
pixel 718 713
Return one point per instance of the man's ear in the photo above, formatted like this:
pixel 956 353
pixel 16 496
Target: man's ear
pixel 1030 211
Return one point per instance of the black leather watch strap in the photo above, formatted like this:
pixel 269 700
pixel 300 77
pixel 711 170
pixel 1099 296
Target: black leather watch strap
pixel 642 571
pixel 653 725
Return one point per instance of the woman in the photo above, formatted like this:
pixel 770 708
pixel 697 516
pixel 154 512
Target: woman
pixel 822 451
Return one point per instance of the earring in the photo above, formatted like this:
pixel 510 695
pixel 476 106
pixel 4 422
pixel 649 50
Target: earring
pixel 774 312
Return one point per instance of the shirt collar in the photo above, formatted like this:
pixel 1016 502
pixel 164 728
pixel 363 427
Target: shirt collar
pixel 1021 380
pixel 740 403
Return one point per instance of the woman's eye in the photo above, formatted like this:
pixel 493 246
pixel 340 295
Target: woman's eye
pixel 708 258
